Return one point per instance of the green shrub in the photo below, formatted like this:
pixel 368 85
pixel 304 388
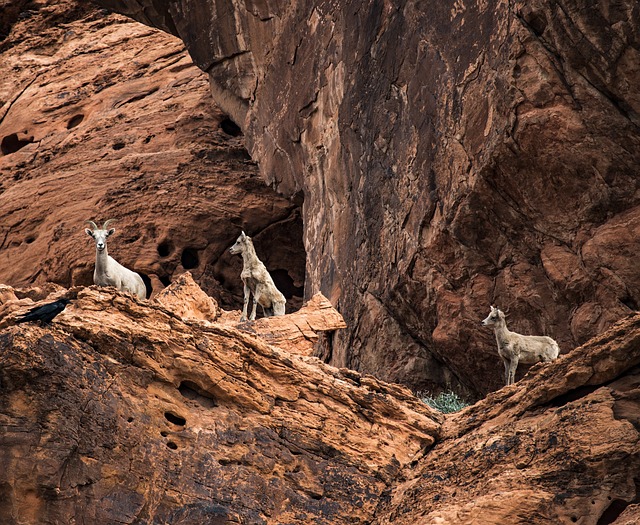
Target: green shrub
pixel 446 402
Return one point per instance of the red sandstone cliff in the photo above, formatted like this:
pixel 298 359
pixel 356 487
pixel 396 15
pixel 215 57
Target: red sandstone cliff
pixel 129 411
pixel 101 117
pixel 447 160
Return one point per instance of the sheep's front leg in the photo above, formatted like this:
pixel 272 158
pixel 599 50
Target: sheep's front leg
pixel 256 297
pixel 513 364
pixel 506 371
pixel 247 291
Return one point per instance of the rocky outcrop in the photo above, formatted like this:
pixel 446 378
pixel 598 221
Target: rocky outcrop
pixel 122 411
pixel 562 446
pixel 451 156
pixel 102 117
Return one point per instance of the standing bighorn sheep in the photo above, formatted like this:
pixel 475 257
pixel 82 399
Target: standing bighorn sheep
pixel 257 280
pixel 516 348
pixel 108 271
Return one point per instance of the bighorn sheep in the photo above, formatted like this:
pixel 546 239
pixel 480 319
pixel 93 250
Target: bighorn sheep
pixel 257 280
pixel 108 271
pixel 516 348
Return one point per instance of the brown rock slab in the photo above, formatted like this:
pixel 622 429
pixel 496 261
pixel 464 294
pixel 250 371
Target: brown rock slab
pixel 299 332
pixel 186 299
pixel 121 412
pixel 561 446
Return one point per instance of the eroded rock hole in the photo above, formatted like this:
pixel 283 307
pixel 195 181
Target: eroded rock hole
pixel 189 258
pixel 229 127
pixel 613 511
pixel 165 248
pixel 193 392
pixel 11 143
pixel 30 239
pixel 172 445
pixel 118 145
pixel 629 302
pixel 175 419
pixel 75 121
pixel 165 279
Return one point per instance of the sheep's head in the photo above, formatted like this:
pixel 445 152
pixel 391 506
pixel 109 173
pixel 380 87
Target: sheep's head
pixel 240 244
pixel 100 234
pixel 495 316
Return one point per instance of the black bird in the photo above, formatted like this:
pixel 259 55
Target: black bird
pixel 44 313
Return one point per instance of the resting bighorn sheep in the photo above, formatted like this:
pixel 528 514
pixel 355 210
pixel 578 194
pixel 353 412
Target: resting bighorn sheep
pixel 516 348
pixel 257 280
pixel 108 271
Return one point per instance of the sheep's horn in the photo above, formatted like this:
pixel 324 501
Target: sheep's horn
pixel 93 224
pixel 106 223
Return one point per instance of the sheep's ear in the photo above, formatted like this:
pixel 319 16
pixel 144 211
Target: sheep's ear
pixel 111 231
pixel 243 235
pixel 89 232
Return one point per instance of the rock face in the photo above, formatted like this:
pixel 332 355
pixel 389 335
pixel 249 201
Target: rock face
pixel 451 156
pixel 121 411
pixel 563 446
pixel 102 117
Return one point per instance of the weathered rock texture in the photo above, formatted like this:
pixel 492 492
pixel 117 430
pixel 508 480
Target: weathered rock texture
pixel 563 446
pixel 451 155
pixel 123 412
pixel 102 117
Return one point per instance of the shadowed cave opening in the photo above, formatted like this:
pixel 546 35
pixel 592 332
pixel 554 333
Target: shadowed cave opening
pixel 192 391
pixel 11 143
pixel 190 258
pixel 229 127
pixel 147 283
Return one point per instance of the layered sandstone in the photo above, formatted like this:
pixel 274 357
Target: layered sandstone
pixel 123 411
pixel 451 155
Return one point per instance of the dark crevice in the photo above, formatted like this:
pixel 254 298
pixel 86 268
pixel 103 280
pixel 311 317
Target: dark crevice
pixel 147 283
pixel 613 511
pixel 284 283
pixel 573 395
